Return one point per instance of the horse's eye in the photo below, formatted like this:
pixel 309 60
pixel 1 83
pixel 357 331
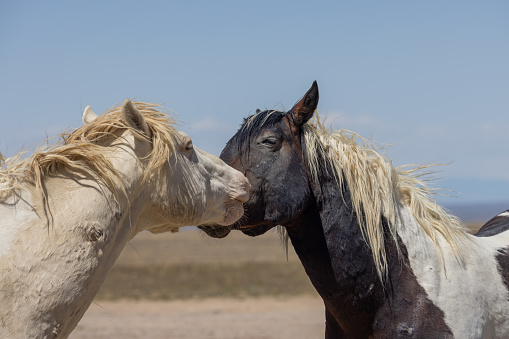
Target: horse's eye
pixel 186 144
pixel 270 141
pixel 187 149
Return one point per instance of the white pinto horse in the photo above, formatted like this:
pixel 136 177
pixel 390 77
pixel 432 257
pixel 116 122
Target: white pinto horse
pixel 67 211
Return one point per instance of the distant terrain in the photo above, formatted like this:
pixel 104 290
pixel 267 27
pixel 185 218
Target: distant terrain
pixel 477 212
pixel 189 264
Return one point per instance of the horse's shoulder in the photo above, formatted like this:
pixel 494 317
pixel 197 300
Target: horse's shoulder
pixel 496 225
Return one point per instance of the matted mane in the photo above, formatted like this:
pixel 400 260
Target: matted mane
pixel 376 188
pixel 82 150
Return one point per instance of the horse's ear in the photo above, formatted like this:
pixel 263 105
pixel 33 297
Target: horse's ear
pixel 134 118
pixel 304 109
pixel 88 115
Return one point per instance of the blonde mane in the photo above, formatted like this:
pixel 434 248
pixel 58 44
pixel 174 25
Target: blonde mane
pixel 378 189
pixel 82 151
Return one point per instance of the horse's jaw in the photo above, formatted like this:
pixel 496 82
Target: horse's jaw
pixel 215 231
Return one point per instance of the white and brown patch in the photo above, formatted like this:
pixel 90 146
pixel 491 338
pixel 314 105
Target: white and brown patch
pixel 469 290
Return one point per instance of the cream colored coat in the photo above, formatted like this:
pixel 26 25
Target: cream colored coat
pixel 55 253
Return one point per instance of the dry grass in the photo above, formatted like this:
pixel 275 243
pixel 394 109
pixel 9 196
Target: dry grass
pixel 191 265
pixel 205 280
pixel 193 246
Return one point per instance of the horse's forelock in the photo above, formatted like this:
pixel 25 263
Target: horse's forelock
pixel 252 126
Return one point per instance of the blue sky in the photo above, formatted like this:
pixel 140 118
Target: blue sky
pixel 430 77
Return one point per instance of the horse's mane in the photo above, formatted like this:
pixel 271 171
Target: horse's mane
pixel 82 150
pixel 379 189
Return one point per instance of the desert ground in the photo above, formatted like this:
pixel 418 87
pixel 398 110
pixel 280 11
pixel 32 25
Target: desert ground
pixel 187 285
pixel 211 318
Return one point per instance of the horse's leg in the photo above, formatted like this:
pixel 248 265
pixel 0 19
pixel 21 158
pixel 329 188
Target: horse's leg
pixel 332 328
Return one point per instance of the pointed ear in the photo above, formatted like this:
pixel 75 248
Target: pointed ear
pixel 88 115
pixel 134 118
pixel 305 108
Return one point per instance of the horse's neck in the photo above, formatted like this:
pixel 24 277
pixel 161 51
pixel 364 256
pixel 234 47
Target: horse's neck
pixel 308 240
pixel 59 255
pixel 338 261
pixel 332 224
pixel 335 256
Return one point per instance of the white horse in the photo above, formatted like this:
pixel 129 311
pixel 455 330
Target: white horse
pixel 67 211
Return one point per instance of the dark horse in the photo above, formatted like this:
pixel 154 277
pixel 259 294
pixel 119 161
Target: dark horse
pixel 386 259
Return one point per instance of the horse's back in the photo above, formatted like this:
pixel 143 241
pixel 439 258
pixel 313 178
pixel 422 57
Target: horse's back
pixel 494 226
